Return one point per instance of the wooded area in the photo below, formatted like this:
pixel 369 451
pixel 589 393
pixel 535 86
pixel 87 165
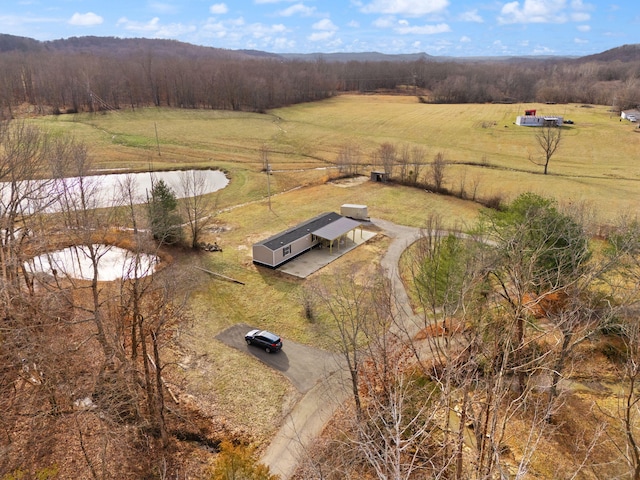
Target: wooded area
pixel 94 74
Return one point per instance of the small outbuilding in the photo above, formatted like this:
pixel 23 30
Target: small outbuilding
pixel 378 176
pixel 631 115
pixel 324 230
pixel 357 212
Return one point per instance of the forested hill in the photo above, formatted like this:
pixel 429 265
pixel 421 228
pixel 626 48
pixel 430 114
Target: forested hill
pixel 95 73
pixel 625 53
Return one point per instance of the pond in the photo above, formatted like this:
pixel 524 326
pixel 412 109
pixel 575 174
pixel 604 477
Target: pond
pixel 103 191
pixel 75 262
pixel 209 181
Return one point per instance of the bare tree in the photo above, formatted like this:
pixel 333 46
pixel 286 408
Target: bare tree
pixel 404 159
pixel 418 155
pixel 347 305
pixel 348 159
pixel 438 167
pixel 548 138
pixel 387 157
pixel 197 205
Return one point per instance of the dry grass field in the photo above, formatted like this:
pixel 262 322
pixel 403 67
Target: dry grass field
pixel 597 164
pixel 597 159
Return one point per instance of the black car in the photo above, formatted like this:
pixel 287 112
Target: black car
pixel 263 339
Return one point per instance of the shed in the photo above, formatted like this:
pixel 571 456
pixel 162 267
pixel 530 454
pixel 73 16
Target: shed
pixel 287 245
pixel 631 115
pixel 358 212
pixel 378 176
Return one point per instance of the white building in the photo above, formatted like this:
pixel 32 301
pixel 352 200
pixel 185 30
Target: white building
pixel 537 121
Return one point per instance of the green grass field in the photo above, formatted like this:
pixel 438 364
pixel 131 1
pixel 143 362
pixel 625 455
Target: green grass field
pixel 598 164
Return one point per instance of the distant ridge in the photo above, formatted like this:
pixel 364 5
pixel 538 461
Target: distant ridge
pixel 358 57
pixel 625 53
pixel 97 45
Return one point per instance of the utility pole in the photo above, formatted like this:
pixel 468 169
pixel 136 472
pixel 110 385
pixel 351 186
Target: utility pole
pixel 269 184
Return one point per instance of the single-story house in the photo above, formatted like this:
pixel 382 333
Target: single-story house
pixel 322 230
pixel 631 115
pixel 529 120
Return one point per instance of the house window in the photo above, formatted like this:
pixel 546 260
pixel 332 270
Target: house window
pixel 286 251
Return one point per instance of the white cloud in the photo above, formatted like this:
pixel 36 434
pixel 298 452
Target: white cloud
pixel 544 11
pixel 155 28
pixel 424 29
pixel 297 9
pixel 320 36
pixel 465 39
pixel 384 22
pixel 242 35
pixel 283 44
pixel 533 11
pixel 218 8
pixel 324 24
pixel 580 17
pixel 471 16
pixel 163 7
pixel 353 24
pixel 272 1
pixel 410 8
pixel 580 40
pixel 85 19
pixel 584 28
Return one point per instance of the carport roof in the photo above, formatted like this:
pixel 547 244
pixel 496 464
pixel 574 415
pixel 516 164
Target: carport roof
pixel 299 231
pixel 336 229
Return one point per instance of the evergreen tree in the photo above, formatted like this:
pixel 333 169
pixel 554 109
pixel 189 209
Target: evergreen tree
pixel 166 224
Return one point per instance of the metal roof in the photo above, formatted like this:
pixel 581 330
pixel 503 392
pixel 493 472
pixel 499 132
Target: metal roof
pixel 299 231
pixel 336 229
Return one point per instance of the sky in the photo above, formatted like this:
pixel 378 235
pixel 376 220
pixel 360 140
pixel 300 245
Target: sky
pixel 459 28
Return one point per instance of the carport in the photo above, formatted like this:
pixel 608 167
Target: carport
pixel 337 230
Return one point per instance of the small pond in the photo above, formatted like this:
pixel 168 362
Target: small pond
pixel 210 181
pixel 106 190
pixel 75 262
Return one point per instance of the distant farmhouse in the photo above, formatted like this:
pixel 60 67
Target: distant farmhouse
pixel 631 115
pixel 530 119
pixel 324 230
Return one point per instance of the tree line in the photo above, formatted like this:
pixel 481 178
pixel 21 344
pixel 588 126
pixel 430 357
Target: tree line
pixel 86 77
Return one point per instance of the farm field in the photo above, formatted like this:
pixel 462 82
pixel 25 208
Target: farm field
pixel 598 159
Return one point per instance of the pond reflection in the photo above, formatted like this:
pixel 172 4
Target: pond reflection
pixel 113 263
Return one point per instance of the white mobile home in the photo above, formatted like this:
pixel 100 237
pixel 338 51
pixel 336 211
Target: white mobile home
pixel 282 247
pixel 536 121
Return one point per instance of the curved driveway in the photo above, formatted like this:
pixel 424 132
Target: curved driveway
pixel 307 419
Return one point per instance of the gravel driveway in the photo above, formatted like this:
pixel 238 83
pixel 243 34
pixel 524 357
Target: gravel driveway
pixel 304 366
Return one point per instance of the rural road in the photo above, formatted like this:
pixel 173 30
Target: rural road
pixel 305 422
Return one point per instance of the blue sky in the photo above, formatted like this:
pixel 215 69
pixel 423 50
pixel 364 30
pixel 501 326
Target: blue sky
pixel 437 27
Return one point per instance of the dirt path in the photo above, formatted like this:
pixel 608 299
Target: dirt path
pixel 307 419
